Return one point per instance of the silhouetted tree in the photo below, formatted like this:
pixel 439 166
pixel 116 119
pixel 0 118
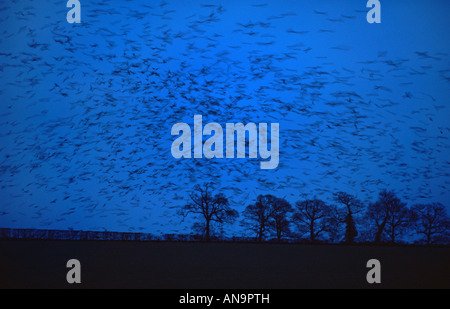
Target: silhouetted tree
pixel 351 206
pixel 334 223
pixel 350 229
pixel 257 216
pixel 279 217
pixel 432 221
pixel 210 208
pixel 400 219
pixel 389 215
pixel 312 217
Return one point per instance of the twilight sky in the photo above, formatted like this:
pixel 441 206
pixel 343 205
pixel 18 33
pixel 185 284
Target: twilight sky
pixel 86 109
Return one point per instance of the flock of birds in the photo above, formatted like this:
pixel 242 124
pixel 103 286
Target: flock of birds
pixel 86 110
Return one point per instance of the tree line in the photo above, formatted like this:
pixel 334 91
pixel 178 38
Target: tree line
pixel 346 220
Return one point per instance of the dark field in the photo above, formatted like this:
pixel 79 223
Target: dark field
pixel 42 264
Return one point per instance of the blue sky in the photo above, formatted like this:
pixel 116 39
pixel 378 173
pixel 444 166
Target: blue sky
pixel 86 109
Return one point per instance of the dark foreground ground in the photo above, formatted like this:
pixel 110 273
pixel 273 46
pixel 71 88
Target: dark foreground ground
pixel 42 264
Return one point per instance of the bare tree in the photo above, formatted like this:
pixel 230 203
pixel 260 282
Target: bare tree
pixel 209 208
pixel 351 206
pixel 400 219
pixel 335 221
pixel 432 221
pixel 312 217
pixel 389 215
pixel 269 213
pixel 279 219
pixel 257 216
